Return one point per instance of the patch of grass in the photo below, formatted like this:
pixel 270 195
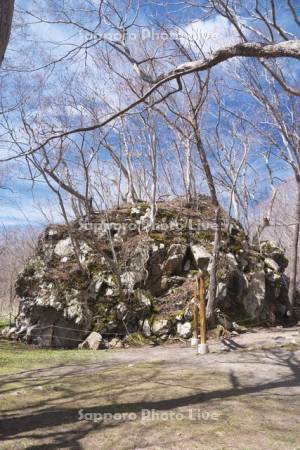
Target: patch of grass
pixel 4 322
pixel 15 357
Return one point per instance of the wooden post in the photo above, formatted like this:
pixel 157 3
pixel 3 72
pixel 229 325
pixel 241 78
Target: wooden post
pixel 195 340
pixel 202 307
pixel 202 348
pixel 51 335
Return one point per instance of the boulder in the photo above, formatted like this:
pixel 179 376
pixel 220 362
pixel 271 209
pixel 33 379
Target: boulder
pixel 254 300
pixel 92 342
pixel 121 311
pixel 144 300
pixel 64 248
pixel 115 343
pixel 222 290
pixel 231 291
pixel 5 332
pixel 174 263
pixel 146 328
pixel 224 321
pixel 269 262
pixel 184 330
pixel 161 327
pixel 271 250
pixel 155 267
pixel 231 260
pixel 189 312
pixel 131 279
pixel 201 256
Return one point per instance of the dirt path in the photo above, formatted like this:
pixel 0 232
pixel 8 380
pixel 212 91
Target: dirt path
pixel 245 399
pixel 223 353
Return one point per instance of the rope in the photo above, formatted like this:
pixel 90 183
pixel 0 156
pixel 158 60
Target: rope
pixel 88 331
pixel 52 336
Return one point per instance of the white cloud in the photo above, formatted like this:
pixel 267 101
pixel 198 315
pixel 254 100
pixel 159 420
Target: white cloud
pixel 210 35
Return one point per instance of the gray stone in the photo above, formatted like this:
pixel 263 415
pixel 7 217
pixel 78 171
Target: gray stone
pixel 130 279
pixel 189 311
pixel 201 256
pixel 221 290
pixel 184 330
pixel 145 326
pixel 174 263
pixel 231 260
pixel 64 248
pixel 164 337
pixel 135 211
pixel 187 265
pixel 6 331
pixel 239 328
pixel 145 301
pixel 276 253
pixel 141 307
pixel 121 311
pixel 254 301
pixel 115 343
pixel 92 342
pixel 269 262
pixel 161 327
pixel 224 321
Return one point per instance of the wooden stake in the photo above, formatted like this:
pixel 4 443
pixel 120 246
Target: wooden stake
pixel 196 310
pixel 51 335
pixel 202 307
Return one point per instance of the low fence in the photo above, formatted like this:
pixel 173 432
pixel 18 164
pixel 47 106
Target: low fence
pixel 49 337
pixel 7 319
pixel 55 336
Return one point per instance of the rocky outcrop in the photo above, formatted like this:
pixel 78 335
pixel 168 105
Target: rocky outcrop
pixel 114 277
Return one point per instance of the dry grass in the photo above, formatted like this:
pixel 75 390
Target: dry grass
pixel 40 407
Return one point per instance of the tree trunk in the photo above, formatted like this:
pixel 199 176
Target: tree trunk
pixel 205 163
pixel 188 174
pixel 154 179
pixel 295 242
pixel 213 280
pixel 6 15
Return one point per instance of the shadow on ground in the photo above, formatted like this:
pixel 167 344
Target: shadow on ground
pixel 56 424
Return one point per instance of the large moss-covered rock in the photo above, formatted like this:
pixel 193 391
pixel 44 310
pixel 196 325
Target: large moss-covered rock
pixel 114 276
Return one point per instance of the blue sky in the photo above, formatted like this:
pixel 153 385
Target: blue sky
pixel 19 203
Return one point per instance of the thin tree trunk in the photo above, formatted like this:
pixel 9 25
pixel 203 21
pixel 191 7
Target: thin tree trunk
pixel 213 280
pixel 295 242
pixel 6 15
pixel 154 179
pixel 188 175
pixel 205 164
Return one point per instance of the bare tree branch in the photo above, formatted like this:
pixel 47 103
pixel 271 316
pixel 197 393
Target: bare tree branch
pixel 287 49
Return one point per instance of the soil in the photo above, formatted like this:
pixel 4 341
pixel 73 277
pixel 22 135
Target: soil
pixel 244 395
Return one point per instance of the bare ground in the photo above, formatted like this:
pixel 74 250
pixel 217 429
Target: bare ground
pixel 244 399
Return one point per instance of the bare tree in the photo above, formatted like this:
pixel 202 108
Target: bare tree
pixel 267 40
pixel 280 112
pixel 6 16
pixel 17 244
pixel 67 134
